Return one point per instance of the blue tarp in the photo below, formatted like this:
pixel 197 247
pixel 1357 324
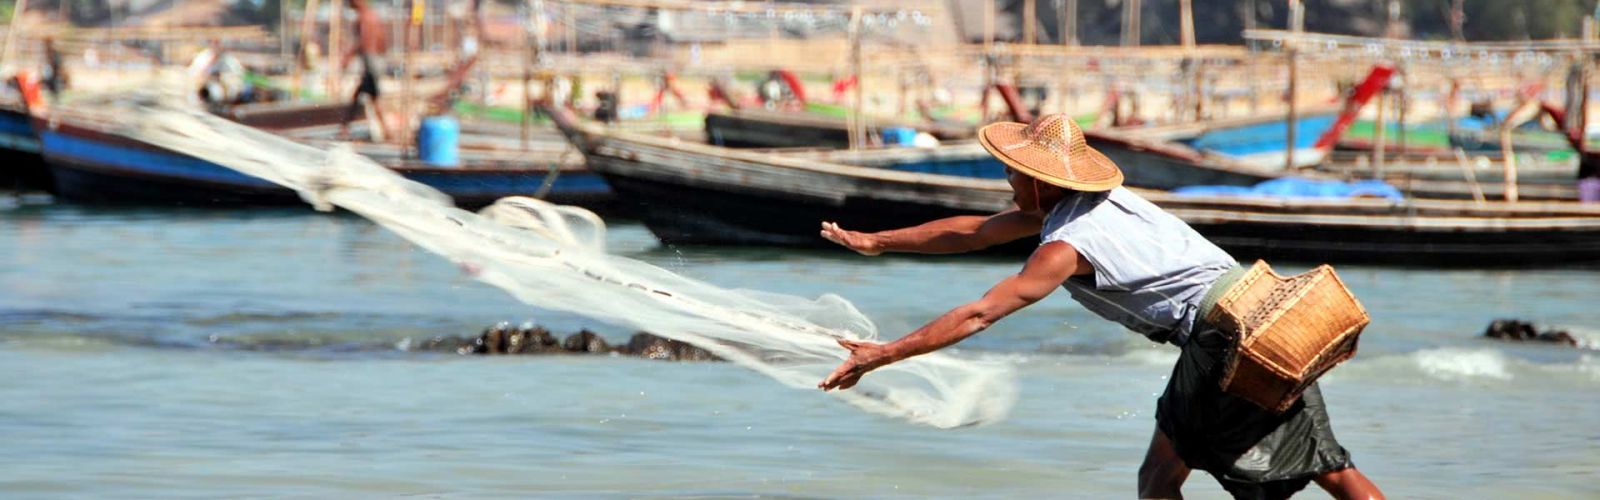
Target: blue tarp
pixel 1295 187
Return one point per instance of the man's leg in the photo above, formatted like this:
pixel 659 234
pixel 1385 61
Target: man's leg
pixel 350 114
pixel 383 125
pixel 1349 484
pixel 1163 472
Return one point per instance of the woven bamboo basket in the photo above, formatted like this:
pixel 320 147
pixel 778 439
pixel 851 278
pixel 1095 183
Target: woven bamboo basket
pixel 1286 332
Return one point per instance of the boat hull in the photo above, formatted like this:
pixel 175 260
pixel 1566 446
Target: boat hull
pixel 94 167
pixel 21 167
pixel 692 194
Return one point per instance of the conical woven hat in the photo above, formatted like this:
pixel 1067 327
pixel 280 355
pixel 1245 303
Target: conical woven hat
pixel 1052 150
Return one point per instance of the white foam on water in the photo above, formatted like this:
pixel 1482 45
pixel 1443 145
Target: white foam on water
pixel 1588 339
pixel 1453 364
pixel 1160 356
pixel 553 257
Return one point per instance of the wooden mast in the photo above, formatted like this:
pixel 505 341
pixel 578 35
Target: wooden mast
pixel 308 35
pixel 1069 22
pixel 1186 10
pixel 1130 23
pixel 1297 22
pixel 988 25
pixel 335 21
pixel 1028 8
pixel 858 125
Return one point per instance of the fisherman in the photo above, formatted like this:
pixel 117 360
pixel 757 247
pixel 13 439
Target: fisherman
pixel 1127 261
pixel 370 46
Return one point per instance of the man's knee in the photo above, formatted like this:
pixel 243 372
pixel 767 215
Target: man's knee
pixel 1161 478
pixel 1163 472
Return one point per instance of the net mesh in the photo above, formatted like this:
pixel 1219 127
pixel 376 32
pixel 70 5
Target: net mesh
pixel 553 257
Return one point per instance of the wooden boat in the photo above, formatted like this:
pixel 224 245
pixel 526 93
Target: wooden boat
pixel 688 193
pixel 1171 165
pixel 21 167
pixel 91 162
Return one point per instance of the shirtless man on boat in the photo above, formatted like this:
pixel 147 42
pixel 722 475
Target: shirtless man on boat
pixel 370 47
pixel 1128 261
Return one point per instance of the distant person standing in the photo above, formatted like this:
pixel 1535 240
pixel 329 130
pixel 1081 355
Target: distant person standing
pixel 370 46
pixel 217 77
pixel 55 72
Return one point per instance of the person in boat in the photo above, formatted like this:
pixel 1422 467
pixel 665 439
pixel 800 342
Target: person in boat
pixel 370 47
pixel 1128 261
pixel 54 70
pixel 217 77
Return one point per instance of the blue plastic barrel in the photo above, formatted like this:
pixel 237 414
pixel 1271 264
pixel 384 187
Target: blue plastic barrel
pixel 439 141
pixel 899 136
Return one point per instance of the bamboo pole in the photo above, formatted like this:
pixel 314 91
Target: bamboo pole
pixel 1186 10
pixel 11 32
pixel 529 52
pixel 1250 14
pixel 1297 24
pixel 1510 163
pixel 1380 135
pixel 1523 112
pixel 412 34
pixel 1069 22
pixel 308 27
pixel 1403 102
pixel 283 31
pixel 1028 8
pixel 1130 23
pixel 858 128
pixel 988 25
pixel 335 23
pixel 571 28
pixel 1472 177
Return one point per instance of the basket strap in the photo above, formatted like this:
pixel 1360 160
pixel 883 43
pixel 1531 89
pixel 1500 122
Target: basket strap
pixel 1220 288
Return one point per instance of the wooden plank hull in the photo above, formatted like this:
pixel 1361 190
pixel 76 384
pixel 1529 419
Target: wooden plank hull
pixel 90 165
pixel 736 131
pixel 777 129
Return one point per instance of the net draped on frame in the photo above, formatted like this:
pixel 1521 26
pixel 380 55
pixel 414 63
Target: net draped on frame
pixel 553 257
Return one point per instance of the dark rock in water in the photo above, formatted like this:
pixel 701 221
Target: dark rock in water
pixel 538 336
pixel 585 341
pixel 1518 330
pixel 529 339
pixel 650 346
pixel 532 339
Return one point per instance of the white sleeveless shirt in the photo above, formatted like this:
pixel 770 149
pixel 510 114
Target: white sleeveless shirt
pixel 1151 269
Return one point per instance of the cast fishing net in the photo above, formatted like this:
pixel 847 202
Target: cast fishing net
pixel 553 257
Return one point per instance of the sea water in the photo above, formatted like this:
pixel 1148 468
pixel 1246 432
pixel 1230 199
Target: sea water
pixel 206 353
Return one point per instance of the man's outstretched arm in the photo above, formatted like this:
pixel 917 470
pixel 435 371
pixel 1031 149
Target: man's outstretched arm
pixel 1050 265
pixel 958 234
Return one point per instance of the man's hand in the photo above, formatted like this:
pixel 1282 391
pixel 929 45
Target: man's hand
pixel 862 243
pixel 864 357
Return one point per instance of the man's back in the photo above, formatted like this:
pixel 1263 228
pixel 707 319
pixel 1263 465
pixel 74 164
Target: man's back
pixel 1151 269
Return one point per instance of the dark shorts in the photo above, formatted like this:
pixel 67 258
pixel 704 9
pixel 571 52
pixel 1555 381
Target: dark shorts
pixel 369 84
pixel 1252 452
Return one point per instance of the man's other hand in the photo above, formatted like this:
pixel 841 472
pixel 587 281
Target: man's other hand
pixel 862 243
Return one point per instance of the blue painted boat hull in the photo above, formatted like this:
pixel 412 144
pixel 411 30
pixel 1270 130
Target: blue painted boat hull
pixel 95 167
